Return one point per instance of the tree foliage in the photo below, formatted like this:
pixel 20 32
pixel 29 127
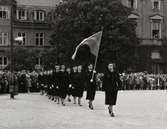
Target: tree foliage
pixel 24 59
pixel 78 19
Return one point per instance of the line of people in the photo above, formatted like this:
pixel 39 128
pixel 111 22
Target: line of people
pixel 66 82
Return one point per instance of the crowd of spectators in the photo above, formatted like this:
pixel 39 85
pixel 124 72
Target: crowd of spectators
pixel 28 81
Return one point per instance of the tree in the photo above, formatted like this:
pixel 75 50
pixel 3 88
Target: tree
pixel 50 58
pixel 24 59
pixel 78 19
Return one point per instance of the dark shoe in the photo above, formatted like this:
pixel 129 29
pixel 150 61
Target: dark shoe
pixel 112 114
pixel 63 104
pixel 80 104
pixel 69 100
pixel 91 106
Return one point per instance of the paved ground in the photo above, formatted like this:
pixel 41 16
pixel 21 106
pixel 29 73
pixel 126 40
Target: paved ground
pixel 134 110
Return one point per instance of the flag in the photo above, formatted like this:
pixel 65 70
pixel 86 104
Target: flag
pixel 93 42
pixel 19 39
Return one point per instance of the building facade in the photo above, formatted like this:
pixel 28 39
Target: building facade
pixel 31 20
pixel 151 17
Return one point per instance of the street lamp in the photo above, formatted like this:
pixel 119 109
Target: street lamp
pixel 12 76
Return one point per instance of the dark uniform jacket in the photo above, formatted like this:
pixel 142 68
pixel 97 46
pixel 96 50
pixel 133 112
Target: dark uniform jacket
pixel 111 84
pixel 90 86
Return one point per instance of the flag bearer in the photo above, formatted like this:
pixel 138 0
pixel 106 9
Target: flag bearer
pixel 90 86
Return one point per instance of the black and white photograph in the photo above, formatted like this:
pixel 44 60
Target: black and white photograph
pixel 83 64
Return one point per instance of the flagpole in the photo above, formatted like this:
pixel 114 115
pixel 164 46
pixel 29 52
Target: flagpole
pixel 94 69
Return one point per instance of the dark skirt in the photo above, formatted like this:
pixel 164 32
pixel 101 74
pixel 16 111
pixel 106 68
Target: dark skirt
pixel 80 93
pixel 91 91
pixel 62 92
pixel 111 97
pixel 56 91
pixel 77 91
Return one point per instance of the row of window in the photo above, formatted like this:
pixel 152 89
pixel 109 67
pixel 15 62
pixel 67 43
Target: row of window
pixel 4 61
pixel 156 4
pixel 22 14
pixel 37 15
pixel 4 38
pixel 4 13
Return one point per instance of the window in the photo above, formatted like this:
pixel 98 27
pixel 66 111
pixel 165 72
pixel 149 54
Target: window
pixel 24 37
pixel 156 4
pixel 39 39
pixel 21 14
pixel 156 30
pixel 3 61
pixel 155 55
pixel 4 13
pixel 132 4
pixel 39 15
pixel 4 39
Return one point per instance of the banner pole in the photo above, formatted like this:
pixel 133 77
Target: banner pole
pixel 94 69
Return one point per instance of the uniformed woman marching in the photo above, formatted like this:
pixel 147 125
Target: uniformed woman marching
pixel 69 88
pixel 55 80
pixel 74 83
pixel 63 85
pixel 111 84
pixel 80 77
pixel 90 86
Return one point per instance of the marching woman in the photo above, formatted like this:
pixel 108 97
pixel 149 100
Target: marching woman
pixel 55 80
pixel 90 86
pixel 69 90
pixel 80 79
pixel 63 85
pixel 74 83
pixel 111 85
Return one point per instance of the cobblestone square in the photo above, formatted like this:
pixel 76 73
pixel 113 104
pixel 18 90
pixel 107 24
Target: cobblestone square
pixel 134 110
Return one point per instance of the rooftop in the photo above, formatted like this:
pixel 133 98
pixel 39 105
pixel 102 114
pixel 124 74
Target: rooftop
pixel 38 2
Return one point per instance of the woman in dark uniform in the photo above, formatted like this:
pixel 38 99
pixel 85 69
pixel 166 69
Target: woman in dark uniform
pixel 111 85
pixel 55 80
pixel 90 86
pixel 80 79
pixel 63 84
pixel 74 83
pixel 69 90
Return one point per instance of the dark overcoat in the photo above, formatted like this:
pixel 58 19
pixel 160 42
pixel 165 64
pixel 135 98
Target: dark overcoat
pixel 55 81
pixel 90 86
pixel 63 84
pixel 111 84
pixel 79 84
pixel 69 91
pixel 74 83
